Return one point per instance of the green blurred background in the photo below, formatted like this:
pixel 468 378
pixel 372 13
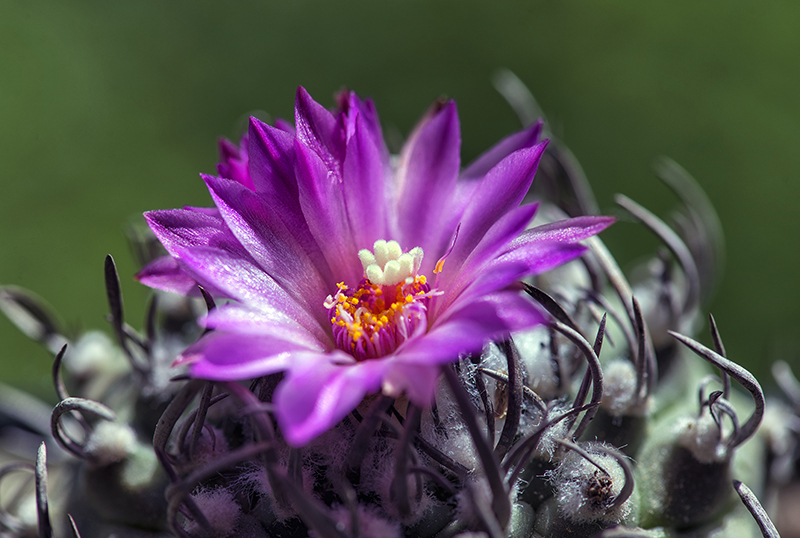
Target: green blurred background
pixel 108 109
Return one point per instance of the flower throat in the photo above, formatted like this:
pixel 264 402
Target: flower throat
pixel 387 307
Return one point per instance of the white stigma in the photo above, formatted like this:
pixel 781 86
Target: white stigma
pixel 389 265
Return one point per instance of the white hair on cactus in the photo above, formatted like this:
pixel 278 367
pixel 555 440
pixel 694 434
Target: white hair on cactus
pixel 110 442
pixel 548 443
pixel 220 509
pixel 702 437
pixel 585 493
pixel 451 436
pixel 94 352
pixel 535 354
pixel 619 387
pixel 372 523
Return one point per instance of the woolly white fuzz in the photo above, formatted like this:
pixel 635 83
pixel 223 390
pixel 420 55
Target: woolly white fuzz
pixel 701 436
pixel 534 350
pixel 220 510
pixel 584 492
pixel 93 353
pixel 372 524
pixel 110 442
pixel 619 387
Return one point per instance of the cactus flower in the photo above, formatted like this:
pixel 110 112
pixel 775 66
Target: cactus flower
pixel 354 272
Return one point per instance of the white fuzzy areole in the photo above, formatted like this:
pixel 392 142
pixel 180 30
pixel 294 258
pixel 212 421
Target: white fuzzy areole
pixel 388 265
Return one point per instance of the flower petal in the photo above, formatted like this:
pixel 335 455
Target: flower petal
pixel 537 257
pixel 208 252
pixel 415 380
pixel 273 168
pixel 266 320
pixel 165 274
pixel 565 231
pixel 468 328
pixel 499 192
pixel 363 186
pixel 271 244
pixel 547 246
pixel 523 139
pixel 455 277
pixel 317 393
pixel 318 129
pixel 234 162
pixel 271 162
pixel 227 356
pixel 322 204
pixel 427 178
pixel 352 106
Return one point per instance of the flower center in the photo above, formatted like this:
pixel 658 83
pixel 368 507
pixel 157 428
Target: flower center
pixel 388 306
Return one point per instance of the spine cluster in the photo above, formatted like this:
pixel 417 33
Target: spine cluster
pixel 610 420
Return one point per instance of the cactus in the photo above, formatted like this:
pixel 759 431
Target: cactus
pixel 609 420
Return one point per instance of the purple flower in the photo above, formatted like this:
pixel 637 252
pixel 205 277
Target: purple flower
pixel 354 272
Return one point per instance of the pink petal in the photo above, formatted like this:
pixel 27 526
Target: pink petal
pixel 455 278
pixel 416 380
pixel 273 168
pixel 271 162
pixel 165 274
pixel 499 192
pixel 566 231
pixel 426 181
pixel 318 129
pixel 523 139
pixel 324 209
pixel 468 327
pixel 271 244
pixel 208 252
pixel 538 257
pixel 266 320
pixel 228 356
pixel 364 187
pixel 316 393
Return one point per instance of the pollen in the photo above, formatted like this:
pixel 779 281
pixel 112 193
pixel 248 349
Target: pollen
pixel 387 307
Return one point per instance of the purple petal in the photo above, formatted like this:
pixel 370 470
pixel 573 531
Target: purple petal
pixel 352 106
pixel 499 192
pixel 273 167
pixel 426 181
pixel 271 244
pixel 548 246
pixel 468 328
pixel 225 356
pixel 165 274
pixel 455 278
pixel 316 393
pixel 318 129
pixel 208 252
pixel 271 161
pixel 523 139
pixel 210 211
pixel 565 231
pixel 538 257
pixel 416 380
pixel 234 162
pixel 491 278
pixel 177 228
pixel 266 320
pixel 322 205
pixel 284 125
pixel 363 185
